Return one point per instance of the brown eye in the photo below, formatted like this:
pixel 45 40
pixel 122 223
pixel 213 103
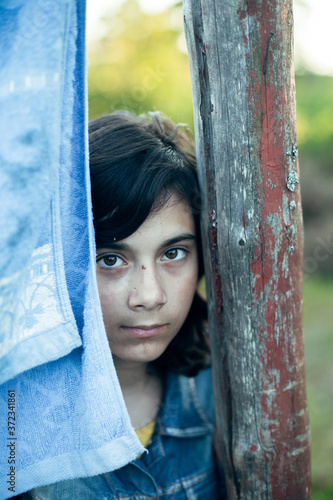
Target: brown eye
pixel 176 254
pixel 109 260
pixel 172 254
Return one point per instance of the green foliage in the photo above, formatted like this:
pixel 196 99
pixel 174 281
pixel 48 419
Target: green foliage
pixel 138 65
pixel 318 340
pixel 141 64
pixel 314 97
pixel 326 494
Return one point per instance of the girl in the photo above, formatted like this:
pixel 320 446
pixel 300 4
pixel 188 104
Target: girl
pixel 149 260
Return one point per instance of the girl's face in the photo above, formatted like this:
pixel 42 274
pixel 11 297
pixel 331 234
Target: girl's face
pixel 147 282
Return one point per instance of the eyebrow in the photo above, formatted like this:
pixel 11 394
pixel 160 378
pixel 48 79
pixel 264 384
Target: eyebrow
pixel 166 243
pixel 177 239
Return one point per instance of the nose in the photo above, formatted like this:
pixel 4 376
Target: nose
pixel 147 291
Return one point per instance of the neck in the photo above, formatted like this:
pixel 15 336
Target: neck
pixel 133 377
pixel 142 391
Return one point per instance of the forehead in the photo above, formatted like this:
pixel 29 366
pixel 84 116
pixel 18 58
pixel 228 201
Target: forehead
pixel 171 221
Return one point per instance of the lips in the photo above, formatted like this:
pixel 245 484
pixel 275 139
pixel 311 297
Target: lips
pixel 144 330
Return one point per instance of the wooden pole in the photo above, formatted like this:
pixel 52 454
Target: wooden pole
pixel 241 58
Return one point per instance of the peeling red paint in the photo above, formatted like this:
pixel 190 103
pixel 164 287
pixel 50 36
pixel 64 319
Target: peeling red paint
pixel 280 361
pixel 251 10
pixel 260 453
pixel 242 14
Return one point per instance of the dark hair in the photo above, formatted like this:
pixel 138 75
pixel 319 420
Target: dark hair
pixel 136 165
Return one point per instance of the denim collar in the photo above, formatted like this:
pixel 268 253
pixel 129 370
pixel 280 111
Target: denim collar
pixel 181 414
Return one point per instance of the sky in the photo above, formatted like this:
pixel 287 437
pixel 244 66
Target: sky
pixel 313 28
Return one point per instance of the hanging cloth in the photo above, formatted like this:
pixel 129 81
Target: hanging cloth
pixel 70 416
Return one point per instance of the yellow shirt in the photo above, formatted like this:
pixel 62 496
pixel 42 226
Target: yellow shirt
pixel 145 434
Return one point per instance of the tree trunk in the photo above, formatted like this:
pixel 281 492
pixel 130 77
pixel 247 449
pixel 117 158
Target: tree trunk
pixel 241 58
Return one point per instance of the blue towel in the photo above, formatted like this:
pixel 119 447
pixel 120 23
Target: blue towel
pixel 35 61
pixel 70 416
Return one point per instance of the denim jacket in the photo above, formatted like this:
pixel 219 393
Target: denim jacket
pixel 180 463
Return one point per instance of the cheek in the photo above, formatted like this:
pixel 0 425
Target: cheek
pixel 109 295
pixel 184 290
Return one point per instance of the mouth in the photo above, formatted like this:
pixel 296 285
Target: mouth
pixel 142 331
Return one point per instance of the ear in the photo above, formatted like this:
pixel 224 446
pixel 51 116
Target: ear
pixel 201 288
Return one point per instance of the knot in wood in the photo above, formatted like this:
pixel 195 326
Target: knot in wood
pixel 247 454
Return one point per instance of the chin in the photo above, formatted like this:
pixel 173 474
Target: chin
pixel 139 354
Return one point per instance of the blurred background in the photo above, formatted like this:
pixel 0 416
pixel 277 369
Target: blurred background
pixel 138 61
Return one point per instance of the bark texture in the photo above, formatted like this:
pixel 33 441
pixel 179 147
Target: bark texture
pixel 241 58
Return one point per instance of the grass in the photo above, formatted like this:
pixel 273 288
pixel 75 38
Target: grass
pixel 318 343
